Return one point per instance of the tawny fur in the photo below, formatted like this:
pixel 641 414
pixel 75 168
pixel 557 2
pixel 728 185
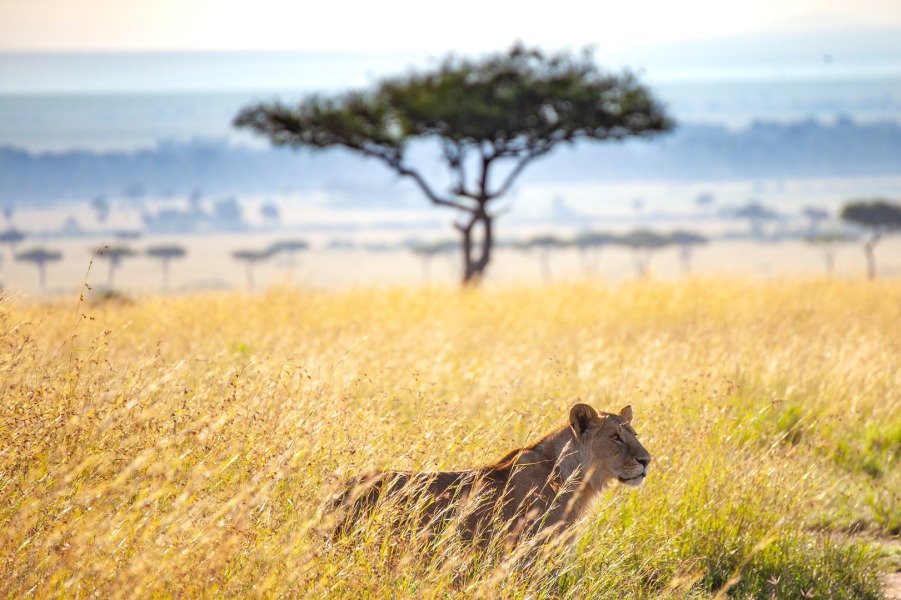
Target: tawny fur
pixel 541 489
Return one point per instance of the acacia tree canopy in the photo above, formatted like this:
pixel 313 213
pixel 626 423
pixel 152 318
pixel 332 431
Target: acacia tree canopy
pixel 879 216
pixel 40 257
pixel 492 116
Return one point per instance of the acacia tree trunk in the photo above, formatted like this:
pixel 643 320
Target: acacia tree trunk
pixel 829 257
pixel 869 248
pixel 476 252
pixel 165 268
pixel 544 261
pixel 426 260
pixel 686 254
pixel 113 263
pixel 589 258
pixel 248 272
pixel 642 261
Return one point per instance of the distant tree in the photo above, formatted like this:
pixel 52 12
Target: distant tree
pixel 879 216
pixel 12 237
pixel 757 214
pixel 340 244
pixel 643 243
pixel 250 258
pixel 542 245
pixel 289 248
pixel 429 250
pixel 128 234
pixel 114 254
pixel 590 244
pixel 827 242
pixel 816 217
pixel 491 117
pixel 165 253
pixel 40 257
pixel 687 241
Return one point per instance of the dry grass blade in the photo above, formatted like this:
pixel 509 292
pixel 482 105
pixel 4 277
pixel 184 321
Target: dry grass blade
pixel 184 446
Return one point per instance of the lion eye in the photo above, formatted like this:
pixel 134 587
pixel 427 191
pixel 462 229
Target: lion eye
pixel 617 438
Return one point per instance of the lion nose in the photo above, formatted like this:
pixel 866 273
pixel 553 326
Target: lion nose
pixel 644 461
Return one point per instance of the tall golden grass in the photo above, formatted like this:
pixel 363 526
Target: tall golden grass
pixel 183 446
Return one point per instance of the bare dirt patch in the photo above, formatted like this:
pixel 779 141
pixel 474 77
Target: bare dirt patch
pixel 891 584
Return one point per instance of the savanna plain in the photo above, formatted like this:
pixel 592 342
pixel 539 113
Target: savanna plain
pixel 185 445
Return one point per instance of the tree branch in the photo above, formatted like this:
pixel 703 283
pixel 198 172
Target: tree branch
pixel 431 195
pixel 484 196
pixel 534 153
pixel 395 163
pixel 454 154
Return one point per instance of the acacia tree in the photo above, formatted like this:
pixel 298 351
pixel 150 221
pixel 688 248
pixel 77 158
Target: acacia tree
pixel 11 237
pixel 40 257
pixel 827 242
pixel 816 216
pixel 165 253
pixel 543 244
pixel 590 244
pixel 429 250
pixel 643 243
pixel 250 258
pixel 114 254
pixel 686 240
pixel 491 117
pixel 758 215
pixel 289 247
pixel 880 217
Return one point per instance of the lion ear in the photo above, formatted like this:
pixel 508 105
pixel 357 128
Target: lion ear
pixel 581 417
pixel 626 413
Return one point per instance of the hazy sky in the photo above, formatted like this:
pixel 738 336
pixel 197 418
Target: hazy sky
pixel 405 25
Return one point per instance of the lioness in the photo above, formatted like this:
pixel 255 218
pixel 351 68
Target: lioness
pixel 539 489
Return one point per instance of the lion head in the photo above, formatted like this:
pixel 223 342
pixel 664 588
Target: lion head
pixel 609 447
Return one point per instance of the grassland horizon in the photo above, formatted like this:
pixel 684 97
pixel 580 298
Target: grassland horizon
pixel 183 445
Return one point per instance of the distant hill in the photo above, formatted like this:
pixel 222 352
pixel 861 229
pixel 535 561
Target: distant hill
pixel 798 149
pixel 809 148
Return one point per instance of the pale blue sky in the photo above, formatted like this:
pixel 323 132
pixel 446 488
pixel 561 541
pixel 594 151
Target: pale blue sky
pixel 408 25
pixel 333 45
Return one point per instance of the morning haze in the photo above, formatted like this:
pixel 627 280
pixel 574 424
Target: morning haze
pixel 289 293
pixel 110 129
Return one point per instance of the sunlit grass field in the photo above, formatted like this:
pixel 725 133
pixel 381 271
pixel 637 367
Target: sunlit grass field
pixel 184 446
